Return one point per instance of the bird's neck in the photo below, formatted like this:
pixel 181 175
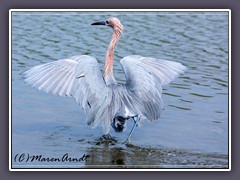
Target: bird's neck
pixel 108 67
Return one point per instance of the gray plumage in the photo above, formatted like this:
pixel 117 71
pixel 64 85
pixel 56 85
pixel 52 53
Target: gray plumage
pixel 99 95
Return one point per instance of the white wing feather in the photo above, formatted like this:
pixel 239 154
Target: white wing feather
pixel 77 76
pixel 145 77
pixel 80 77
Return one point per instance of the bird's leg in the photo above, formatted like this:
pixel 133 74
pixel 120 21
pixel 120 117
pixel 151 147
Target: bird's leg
pixel 136 121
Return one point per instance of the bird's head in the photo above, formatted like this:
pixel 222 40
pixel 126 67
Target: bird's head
pixel 112 22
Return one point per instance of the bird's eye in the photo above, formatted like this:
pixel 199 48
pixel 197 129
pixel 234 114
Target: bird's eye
pixel 107 22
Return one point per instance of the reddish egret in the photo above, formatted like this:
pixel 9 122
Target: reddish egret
pixel 101 97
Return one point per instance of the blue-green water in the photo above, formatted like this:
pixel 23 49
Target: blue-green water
pixel 193 129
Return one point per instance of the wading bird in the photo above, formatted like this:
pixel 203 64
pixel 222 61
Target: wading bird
pixel 101 97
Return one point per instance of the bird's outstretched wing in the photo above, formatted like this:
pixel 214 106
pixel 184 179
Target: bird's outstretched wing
pixel 144 79
pixel 77 76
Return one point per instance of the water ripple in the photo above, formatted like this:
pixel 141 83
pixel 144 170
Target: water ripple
pixel 197 100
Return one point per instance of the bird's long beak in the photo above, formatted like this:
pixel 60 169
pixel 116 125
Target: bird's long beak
pixel 99 23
